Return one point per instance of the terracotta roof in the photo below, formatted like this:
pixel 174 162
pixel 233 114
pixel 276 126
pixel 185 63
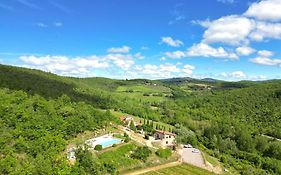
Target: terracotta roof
pixel 166 133
pixel 122 118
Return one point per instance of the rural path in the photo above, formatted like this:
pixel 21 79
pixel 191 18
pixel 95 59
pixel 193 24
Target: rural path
pixel 271 137
pixel 155 168
pixel 136 137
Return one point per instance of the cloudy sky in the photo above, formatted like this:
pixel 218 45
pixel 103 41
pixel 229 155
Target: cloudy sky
pixel 223 39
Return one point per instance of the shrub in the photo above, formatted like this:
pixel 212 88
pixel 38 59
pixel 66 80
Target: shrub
pixel 114 145
pixel 127 139
pixel 98 147
pixel 146 94
pixel 141 153
pixel 163 153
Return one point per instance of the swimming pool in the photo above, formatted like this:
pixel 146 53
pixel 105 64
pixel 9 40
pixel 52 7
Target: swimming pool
pixel 109 142
pixel 105 141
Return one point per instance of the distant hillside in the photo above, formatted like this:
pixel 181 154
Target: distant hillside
pixel 49 85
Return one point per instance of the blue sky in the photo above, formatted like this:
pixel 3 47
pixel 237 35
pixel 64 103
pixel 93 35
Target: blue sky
pixel 222 39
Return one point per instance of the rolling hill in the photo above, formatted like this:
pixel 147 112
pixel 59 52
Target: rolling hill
pixel 40 110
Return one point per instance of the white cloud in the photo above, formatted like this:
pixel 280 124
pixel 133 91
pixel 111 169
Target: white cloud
pixel 41 24
pixel 245 50
pixel 227 1
pixel 265 53
pixel 240 75
pixel 205 50
pixel 237 30
pixel 139 56
pixel 64 65
pixel 263 58
pixel 231 30
pixel 120 60
pixel 206 23
pixel 163 59
pixel 124 49
pixel 58 24
pixel 235 74
pixel 166 70
pixel 259 77
pixel 265 10
pixel 266 30
pixel 169 68
pixel 266 61
pixel 177 14
pixel 188 69
pixel 175 54
pixel 171 42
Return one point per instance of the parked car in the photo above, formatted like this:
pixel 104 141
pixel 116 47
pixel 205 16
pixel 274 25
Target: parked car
pixel 195 151
pixel 187 146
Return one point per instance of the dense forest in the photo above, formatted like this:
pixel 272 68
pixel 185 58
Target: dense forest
pixel 237 122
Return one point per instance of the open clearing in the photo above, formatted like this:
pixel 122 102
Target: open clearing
pixel 183 169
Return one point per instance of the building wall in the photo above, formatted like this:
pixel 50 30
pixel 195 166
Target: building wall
pixel 159 136
pixel 165 139
pixel 168 140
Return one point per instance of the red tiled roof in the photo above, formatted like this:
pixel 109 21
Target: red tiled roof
pixel 166 133
pixel 122 118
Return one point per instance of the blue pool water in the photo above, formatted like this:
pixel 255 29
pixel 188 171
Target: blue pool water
pixel 110 142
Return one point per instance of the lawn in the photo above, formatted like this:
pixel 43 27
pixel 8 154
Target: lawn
pixel 184 169
pixel 120 156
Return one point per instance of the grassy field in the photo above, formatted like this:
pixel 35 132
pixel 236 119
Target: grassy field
pixel 146 93
pixel 120 156
pixel 184 169
pixel 140 96
pixel 144 88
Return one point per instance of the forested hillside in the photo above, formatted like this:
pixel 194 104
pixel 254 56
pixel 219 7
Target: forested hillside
pixel 234 124
pixel 231 120
pixel 34 131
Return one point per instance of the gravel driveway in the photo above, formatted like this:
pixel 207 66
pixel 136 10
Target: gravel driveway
pixel 195 159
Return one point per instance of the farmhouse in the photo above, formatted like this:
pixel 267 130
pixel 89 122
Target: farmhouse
pixel 166 138
pixel 128 119
pixel 125 118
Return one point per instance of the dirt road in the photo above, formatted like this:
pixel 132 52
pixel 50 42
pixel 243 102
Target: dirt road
pixel 155 168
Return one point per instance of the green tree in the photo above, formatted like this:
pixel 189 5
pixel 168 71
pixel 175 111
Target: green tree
pixel 132 126
pixel 98 147
pixel 141 153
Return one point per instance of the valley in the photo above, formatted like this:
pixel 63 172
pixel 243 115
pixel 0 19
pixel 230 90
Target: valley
pixel 42 114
